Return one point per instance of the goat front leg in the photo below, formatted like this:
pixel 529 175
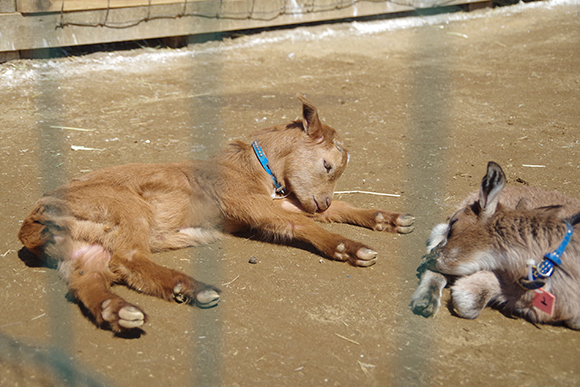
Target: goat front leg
pixel 378 220
pixel 334 246
pixel 426 300
pixel 472 293
pixel 283 221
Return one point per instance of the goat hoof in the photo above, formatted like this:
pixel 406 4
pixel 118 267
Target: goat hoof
pixel 207 298
pixel 131 317
pixel 405 230
pixel 424 307
pixel 405 220
pixel 366 257
pixel 405 224
pixel 127 317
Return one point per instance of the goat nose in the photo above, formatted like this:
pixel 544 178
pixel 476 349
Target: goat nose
pixel 429 260
pixel 323 203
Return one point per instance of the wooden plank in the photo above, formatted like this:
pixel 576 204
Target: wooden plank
pixel 36 6
pixel 9 55
pixel 34 31
pixel 229 8
pixel 41 31
pixel 479 5
pixel 7 6
pixel 226 7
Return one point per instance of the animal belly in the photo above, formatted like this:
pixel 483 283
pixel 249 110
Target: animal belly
pixel 183 237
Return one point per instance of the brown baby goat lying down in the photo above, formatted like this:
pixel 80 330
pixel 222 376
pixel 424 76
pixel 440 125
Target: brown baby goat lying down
pixel 514 247
pixel 103 226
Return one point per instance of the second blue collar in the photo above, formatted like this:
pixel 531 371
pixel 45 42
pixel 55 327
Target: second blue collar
pixel 279 188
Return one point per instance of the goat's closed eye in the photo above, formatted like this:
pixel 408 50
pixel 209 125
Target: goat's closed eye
pixel 327 166
pixel 450 229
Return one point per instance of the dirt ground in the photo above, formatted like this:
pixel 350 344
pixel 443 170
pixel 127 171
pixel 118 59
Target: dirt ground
pixel 423 103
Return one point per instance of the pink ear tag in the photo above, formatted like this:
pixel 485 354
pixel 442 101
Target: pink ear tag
pixel 544 301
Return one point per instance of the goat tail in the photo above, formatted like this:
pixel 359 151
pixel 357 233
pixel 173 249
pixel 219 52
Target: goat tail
pixel 46 223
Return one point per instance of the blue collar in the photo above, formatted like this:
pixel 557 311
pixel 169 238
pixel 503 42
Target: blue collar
pixel 280 190
pixel 545 268
pixel 555 255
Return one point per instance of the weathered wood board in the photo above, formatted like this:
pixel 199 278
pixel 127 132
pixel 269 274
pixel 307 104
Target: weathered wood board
pixel 36 6
pixel 29 29
pixel 7 6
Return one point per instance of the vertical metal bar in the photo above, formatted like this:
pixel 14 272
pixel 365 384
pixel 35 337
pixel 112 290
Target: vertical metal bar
pixel 428 131
pixel 52 170
pixel 206 122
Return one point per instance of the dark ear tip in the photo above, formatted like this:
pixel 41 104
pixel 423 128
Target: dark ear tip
pixel 305 103
pixel 575 219
pixel 492 165
pixel 495 174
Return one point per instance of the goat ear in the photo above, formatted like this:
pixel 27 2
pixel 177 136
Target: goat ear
pixel 575 219
pixel 310 120
pixel 523 204
pixel 491 186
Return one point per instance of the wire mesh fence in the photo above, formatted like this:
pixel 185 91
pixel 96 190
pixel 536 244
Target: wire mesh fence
pixel 251 10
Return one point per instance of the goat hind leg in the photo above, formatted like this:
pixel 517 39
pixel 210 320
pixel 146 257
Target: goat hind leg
pixel 92 289
pixel 143 275
pixel 573 323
